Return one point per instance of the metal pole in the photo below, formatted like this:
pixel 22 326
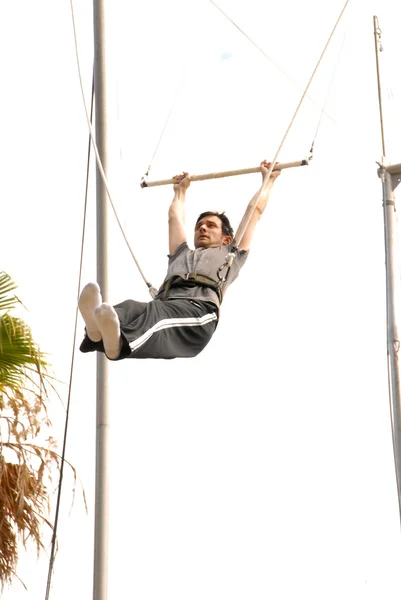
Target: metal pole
pixel 217 175
pixel 100 565
pixel 393 338
pixel 390 179
pixel 379 48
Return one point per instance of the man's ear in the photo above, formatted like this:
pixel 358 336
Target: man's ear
pixel 227 239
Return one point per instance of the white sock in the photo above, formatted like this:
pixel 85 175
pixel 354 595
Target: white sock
pixel 109 325
pixel 90 299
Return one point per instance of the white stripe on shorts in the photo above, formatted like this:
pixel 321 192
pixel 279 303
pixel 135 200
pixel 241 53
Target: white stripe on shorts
pixel 175 322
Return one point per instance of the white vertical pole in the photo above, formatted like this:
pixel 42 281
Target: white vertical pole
pixel 393 338
pixel 390 178
pixel 100 566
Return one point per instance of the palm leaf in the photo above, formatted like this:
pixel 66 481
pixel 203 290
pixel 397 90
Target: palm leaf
pixel 25 467
pixel 7 285
pixel 17 346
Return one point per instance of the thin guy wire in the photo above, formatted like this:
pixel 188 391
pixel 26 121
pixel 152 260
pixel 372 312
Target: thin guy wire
pixel 162 133
pixel 268 57
pixel 54 536
pixel 241 230
pixel 328 92
pixel 160 138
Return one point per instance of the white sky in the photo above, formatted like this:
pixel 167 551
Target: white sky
pixel 263 468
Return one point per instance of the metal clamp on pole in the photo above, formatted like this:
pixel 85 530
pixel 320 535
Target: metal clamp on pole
pixel 218 175
pixel 393 170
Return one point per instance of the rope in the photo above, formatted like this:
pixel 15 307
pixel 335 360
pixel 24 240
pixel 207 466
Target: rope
pixel 327 95
pixel 152 290
pixel 54 536
pixel 158 143
pixel 241 230
pixel 143 180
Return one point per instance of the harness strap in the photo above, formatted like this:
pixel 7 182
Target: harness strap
pixel 191 280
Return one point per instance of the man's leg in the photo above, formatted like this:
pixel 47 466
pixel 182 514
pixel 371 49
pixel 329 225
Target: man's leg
pixel 109 325
pixel 103 319
pixel 166 329
pixel 89 300
pixel 158 329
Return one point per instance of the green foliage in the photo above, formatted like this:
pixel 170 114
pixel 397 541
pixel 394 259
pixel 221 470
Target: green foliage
pixel 26 455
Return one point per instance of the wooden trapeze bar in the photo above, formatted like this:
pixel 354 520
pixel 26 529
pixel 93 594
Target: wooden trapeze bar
pixel 204 176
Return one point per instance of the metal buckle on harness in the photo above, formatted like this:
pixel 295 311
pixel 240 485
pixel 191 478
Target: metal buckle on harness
pixel 227 263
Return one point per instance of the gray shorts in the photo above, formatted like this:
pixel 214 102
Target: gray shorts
pixel 171 328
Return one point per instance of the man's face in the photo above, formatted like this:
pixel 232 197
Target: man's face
pixel 209 233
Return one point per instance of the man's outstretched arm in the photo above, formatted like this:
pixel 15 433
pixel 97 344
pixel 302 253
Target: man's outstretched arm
pixel 246 240
pixel 176 213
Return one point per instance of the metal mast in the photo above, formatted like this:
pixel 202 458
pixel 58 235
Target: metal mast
pixel 100 566
pixel 391 176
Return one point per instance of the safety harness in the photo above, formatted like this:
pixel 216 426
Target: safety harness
pixel 197 279
pixel 191 280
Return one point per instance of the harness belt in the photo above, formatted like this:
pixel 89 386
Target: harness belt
pixel 191 280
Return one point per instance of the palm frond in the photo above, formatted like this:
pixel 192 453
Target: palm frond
pixel 7 285
pixel 17 346
pixel 25 466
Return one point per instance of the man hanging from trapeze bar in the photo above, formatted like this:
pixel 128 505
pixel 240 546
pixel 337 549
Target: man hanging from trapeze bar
pixel 181 319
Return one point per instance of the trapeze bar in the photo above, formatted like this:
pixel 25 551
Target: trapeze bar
pixel 278 167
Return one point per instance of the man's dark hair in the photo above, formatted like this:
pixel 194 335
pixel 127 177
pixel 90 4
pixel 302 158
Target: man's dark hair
pixel 225 223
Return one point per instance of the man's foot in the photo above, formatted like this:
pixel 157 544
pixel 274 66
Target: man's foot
pixel 109 325
pixel 90 299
